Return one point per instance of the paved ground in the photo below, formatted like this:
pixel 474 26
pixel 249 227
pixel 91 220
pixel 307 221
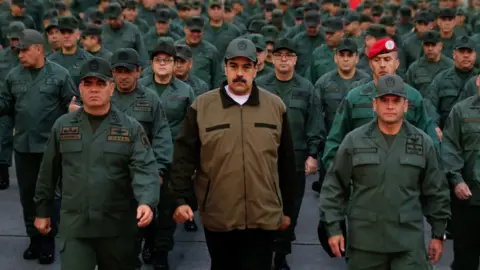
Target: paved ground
pixel 190 252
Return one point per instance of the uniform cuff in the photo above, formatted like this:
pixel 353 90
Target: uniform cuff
pixel 439 227
pixel 334 229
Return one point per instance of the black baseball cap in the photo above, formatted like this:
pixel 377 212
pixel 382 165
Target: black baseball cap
pixel 391 85
pixel 125 57
pixel 311 6
pixel 258 40
pixel 351 17
pixel 387 20
pixel 285 43
pixel 377 31
pixel 92 30
pixel 195 23
pixel 256 26
pixel 52 23
pixel 96 67
pixel 68 23
pixel 312 18
pixel 162 15
pixel 464 42
pixel 431 36
pixel 113 11
pixel 183 52
pixel 241 47
pixel 164 46
pixel 347 44
pixel 424 16
pixel 332 25
pixel 447 13
pixel 30 37
pixel 50 14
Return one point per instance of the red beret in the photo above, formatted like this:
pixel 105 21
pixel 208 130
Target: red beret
pixel 385 45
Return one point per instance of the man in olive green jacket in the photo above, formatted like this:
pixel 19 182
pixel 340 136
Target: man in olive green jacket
pixel 385 178
pixel 110 178
pixel 36 93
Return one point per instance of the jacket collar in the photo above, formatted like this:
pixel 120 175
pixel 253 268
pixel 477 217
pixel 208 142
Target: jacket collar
pixel 227 101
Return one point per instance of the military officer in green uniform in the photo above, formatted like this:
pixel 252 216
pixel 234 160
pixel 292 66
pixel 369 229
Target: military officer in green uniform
pixel 218 32
pixel 8 61
pixel 230 16
pixel 373 33
pixel 356 108
pixel 306 123
pixel 422 71
pixel 446 26
pixel 54 37
pixel 92 42
pixel 462 28
pixel 205 55
pixel 309 40
pixel 387 159
pixel 161 29
pixel 109 174
pixel 35 94
pixel 177 96
pixel 459 157
pixel 130 13
pixel 322 57
pixel 70 56
pixel 446 87
pixel 261 45
pixel 17 12
pixel 118 33
pixel 405 24
pixel 270 33
pixel 183 65
pixel 252 7
pixel 412 44
pixel 296 29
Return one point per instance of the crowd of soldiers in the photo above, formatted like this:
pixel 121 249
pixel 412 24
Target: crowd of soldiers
pixel 107 108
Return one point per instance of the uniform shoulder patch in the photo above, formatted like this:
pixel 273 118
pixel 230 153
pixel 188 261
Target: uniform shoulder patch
pixel 145 140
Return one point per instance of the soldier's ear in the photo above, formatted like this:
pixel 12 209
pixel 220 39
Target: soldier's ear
pixel 374 103
pixel 405 106
pixel 478 81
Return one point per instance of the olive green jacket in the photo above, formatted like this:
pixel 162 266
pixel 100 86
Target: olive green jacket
pixel 385 191
pixel 198 85
pixel 356 110
pixel 307 45
pixel 460 146
pixel 321 63
pixel 221 36
pixel 421 72
pixel 105 175
pixel 36 104
pixel 144 106
pixel 6 19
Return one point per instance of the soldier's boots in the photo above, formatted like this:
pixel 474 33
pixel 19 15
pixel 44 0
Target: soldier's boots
pixel 190 226
pixel 161 261
pixel 4 177
pixel 280 262
pixel 46 250
pixel 147 253
pixel 33 250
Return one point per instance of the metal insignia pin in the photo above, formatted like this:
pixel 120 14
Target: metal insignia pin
pixel 242 45
pixel 390 82
pixel 390 45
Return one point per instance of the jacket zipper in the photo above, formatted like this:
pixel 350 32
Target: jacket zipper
pixel 243 159
pixel 206 196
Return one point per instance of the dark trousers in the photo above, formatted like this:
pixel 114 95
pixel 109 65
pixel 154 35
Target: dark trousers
pixel 250 249
pixel 284 239
pixel 6 141
pixel 27 167
pixel 466 242
pixel 112 253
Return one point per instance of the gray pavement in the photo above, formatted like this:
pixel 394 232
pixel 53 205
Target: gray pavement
pixel 190 252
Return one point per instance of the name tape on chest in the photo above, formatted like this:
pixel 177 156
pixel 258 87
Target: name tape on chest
pixel 143 106
pixel 369 150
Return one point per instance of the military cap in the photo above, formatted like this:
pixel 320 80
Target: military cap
pixel 15 30
pixel 164 39
pixel 50 14
pixel 285 43
pixel 96 67
pixel 377 10
pixel 332 25
pixel 113 11
pixel 258 40
pixel 283 2
pixel 68 23
pixel 431 36
pixel 405 12
pixel 382 46
pixel 270 33
pixel 447 13
pixel 256 26
pixel 20 3
pixel 213 3
pixel 464 42
pixel 183 52
pixel 196 4
pixel 311 6
pixel 166 47
pixel 96 16
pixel 277 13
pixel 387 20
pixel 30 37
pixel 365 18
pixel 312 18
pixel 183 5
pixel 195 23
pixel 424 16
pixel 299 13
pixel 228 6
pixel 239 2
pixel 391 85
pixel 125 57
pixel 269 6
pixel 60 6
pixel 92 30
pixel 162 15
pixel 347 44
pixel 241 47
pixel 52 23
pixel 351 17
pixel 377 31
pixel 461 12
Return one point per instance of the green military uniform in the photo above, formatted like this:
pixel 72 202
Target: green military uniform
pixel 95 30
pixel 253 7
pixel 198 85
pixel 127 36
pixel 261 45
pixel 377 31
pixel 6 19
pixel 308 44
pixel 35 98
pixel 460 159
pixel 151 38
pixel 321 63
pixel 377 166
pixel 221 36
pixel 205 56
pixel 80 6
pixel 141 24
pixel 307 126
pixel 421 72
pixel 448 43
pixel 99 201
pixel 147 14
pixel 36 9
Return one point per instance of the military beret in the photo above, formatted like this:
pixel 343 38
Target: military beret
pixel 285 43
pixel 270 33
pixel 30 37
pixel 377 31
pixel 347 44
pixel 256 26
pixel 92 30
pixel 68 23
pixel 447 13
pixel 166 47
pixel 312 18
pixel 387 20
pixel 311 6
pixel 391 85
pixel 183 51
pixel 125 57
pixel 431 36
pixel 382 46
pixel 465 42
pixel 195 23
pixel 113 11
pixel 162 15
pixel 241 47
pixel 258 40
pixel 15 30
pixel 333 24
pixel 96 67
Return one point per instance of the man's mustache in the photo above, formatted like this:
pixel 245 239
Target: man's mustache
pixel 239 80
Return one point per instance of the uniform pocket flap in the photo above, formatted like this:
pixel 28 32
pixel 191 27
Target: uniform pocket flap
pixel 117 148
pixel 70 147
pixel 298 103
pixel 363 215
pixel 359 160
pixel 447 93
pixel 413 160
pixel 217 127
pixel 410 216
